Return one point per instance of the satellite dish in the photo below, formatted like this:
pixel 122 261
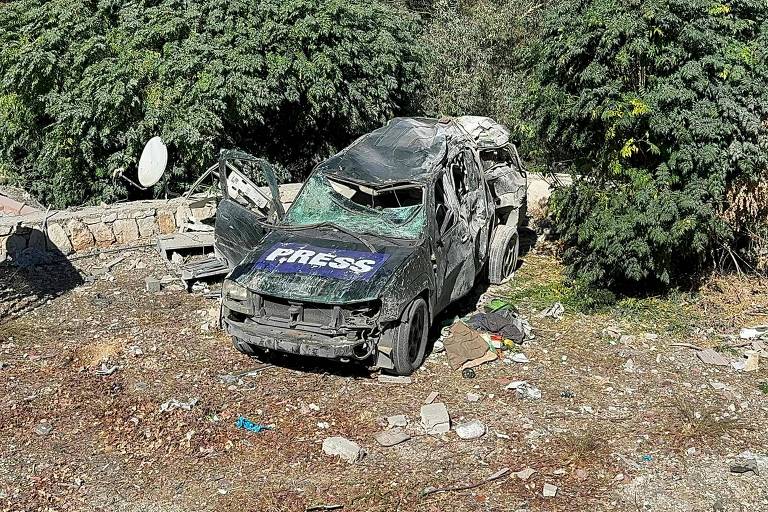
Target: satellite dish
pixel 152 163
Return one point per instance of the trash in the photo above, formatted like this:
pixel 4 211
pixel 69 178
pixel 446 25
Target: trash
pixel 550 491
pixel 499 474
pixel 515 384
pixel 489 356
pixel 105 369
pixel 525 474
pixel 399 420
pixel 464 345
pixel 555 311
pixel 566 394
pixel 710 356
pixel 525 390
pixel 177 404
pixel 435 418
pixel 247 424
pixel 391 437
pixel 471 430
pixel 468 373
pixel 316 508
pixel 651 336
pixel 438 347
pixel 431 398
pixel 343 448
pixel 519 357
pixel 393 379
pixel 739 365
pixel 473 397
pixel 506 323
pixel 647 458
pixel 756 332
pixel 314 407
pixel 498 304
pixel 43 428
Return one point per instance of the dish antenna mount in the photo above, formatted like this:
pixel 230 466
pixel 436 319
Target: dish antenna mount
pixel 152 164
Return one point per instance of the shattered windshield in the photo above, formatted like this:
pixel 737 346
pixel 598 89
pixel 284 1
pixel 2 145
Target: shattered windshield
pixel 393 212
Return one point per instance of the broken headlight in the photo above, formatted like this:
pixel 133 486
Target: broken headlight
pixel 234 290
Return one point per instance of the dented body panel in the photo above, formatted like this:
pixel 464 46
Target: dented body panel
pixel 404 212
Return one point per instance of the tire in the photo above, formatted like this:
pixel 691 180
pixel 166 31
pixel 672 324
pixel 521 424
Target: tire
pixel 410 338
pixel 505 248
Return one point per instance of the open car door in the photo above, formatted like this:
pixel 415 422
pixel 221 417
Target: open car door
pixel 250 198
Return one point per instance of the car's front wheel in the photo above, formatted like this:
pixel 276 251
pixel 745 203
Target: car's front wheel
pixel 410 338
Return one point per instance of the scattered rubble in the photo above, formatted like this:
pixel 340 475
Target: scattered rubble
pixel 431 398
pixel 470 430
pixel 525 474
pixel 178 404
pixel 399 420
pixel 393 379
pixel 435 418
pixel 343 448
pixel 555 311
pixel 391 437
pixel 710 356
pixel 549 491
pixel 43 428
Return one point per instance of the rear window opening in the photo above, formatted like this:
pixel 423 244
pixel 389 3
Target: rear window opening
pixel 392 197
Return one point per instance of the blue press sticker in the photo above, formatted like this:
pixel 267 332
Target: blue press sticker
pixel 294 258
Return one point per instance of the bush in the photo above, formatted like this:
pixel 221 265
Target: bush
pixel 656 106
pixel 84 84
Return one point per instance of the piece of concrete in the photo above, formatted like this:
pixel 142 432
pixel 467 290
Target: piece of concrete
pixel 345 449
pixel 435 418
pixel 391 437
pixel 431 397
pixel 394 379
pixel 398 420
pixel 153 284
pixel 471 430
pixel 550 491
pixel 710 356
pixel 525 474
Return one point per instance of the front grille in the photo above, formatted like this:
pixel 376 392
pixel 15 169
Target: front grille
pixel 315 314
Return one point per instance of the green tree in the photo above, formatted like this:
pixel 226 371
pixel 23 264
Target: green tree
pixel 85 83
pixel 656 106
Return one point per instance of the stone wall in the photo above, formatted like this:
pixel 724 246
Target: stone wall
pixel 69 231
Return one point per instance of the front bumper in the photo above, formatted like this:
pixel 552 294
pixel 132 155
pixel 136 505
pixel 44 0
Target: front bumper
pixel 294 341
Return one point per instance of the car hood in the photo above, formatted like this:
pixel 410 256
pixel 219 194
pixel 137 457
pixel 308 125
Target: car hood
pixel 320 265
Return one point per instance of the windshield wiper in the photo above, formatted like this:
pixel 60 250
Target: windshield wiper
pixel 303 227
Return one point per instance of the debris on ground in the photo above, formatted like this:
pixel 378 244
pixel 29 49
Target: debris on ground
pixel 555 311
pixel 745 466
pixel 398 420
pixel 506 323
pixel 525 390
pixel 345 449
pixel 391 437
pixel 519 357
pixel 173 403
pixel 318 508
pixel 394 379
pixel 550 491
pixel 43 428
pixel 525 474
pixel 431 398
pixel 756 332
pixel 471 429
pixel 247 424
pixel 464 345
pixel 105 369
pixel 435 418
pixel 473 397
pixel 710 356
pixel 468 373
pixel 495 476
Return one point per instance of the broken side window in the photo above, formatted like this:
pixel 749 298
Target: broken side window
pixel 392 212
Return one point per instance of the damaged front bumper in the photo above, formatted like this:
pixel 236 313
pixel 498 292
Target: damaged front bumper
pixel 328 331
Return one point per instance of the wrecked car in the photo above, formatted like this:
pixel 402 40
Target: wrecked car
pixel 380 239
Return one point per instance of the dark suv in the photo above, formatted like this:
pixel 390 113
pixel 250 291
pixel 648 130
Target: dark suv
pixel 381 237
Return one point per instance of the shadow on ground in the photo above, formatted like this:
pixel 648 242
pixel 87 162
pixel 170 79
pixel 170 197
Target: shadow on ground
pixel 30 277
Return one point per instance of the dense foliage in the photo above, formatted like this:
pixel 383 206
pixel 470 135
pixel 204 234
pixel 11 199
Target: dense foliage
pixel 85 83
pixel 658 106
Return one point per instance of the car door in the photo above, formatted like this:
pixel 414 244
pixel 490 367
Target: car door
pixel 452 247
pixel 245 207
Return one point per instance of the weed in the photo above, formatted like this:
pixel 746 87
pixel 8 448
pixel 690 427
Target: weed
pixel 763 386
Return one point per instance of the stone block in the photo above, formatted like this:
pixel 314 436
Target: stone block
pixel 166 223
pixel 126 231
pixel 435 418
pixel 109 217
pixel 102 233
pixel 79 234
pixel 58 239
pixel 182 214
pixel 147 227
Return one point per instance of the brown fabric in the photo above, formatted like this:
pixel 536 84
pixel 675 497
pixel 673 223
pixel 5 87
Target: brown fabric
pixel 485 358
pixel 464 345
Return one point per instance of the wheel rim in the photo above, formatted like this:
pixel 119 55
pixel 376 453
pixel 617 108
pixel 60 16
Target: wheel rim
pixel 510 258
pixel 415 334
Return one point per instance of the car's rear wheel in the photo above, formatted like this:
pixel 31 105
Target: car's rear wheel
pixel 410 338
pixel 505 247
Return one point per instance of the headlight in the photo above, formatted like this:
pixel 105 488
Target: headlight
pixel 234 290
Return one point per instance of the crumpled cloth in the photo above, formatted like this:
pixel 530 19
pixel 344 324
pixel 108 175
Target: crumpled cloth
pixel 508 324
pixel 464 344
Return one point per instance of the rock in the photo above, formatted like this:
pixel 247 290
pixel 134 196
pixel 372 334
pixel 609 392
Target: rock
pixel 393 379
pixel 435 418
pixel 102 233
pixel 752 364
pixel 152 284
pixel 471 430
pixel 147 227
pixel 612 332
pixel 398 420
pixel 166 223
pixel 391 437
pixel 525 474
pixel 651 336
pixel 43 428
pixel 473 397
pixel 626 339
pixel 79 234
pixel 431 397
pixel 58 239
pixel 343 448
pixel 550 491
pixel 519 357
pixel 125 230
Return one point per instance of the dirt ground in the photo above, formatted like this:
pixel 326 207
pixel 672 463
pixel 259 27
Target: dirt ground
pixel 626 421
